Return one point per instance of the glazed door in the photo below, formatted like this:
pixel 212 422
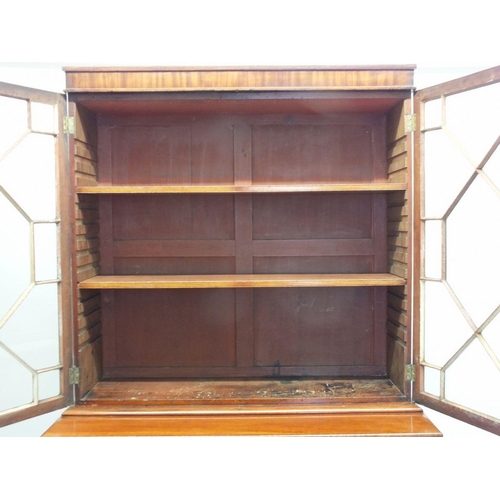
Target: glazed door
pixel 35 351
pixel 457 263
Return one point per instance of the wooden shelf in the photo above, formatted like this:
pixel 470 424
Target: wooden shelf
pixel 225 188
pixel 242 281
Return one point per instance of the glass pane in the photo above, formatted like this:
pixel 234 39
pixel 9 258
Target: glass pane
pixel 432 381
pixel 28 174
pixel 469 295
pixel 446 329
pixel 32 332
pixel 16 382
pixel 472 118
pixel 46 265
pixel 433 115
pixel 43 118
pixel 49 384
pixel 29 251
pixel 432 249
pixel 492 168
pixel 13 122
pixel 492 335
pixel 15 255
pixel 473 381
pixel 446 172
pixel 473 251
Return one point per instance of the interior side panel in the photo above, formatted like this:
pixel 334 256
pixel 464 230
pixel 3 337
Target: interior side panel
pixel 398 244
pixel 89 312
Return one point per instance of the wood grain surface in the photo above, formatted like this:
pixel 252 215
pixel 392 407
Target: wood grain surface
pixel 238 79
pixel 415 425
pixel 242 281
pixel 254 188
pixel 304 406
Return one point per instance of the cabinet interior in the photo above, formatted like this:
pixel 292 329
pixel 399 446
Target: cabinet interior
pixel 258 237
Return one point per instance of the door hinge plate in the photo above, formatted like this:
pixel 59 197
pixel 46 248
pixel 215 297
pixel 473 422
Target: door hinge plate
pixel 411 123
pixel 74 375
pixel 410 373
pixel 69 124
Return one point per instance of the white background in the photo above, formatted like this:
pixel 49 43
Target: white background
pixel 444 39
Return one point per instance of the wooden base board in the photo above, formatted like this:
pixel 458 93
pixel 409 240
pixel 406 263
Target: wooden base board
pixel 398 419
pixel 284 390
pixel 306 407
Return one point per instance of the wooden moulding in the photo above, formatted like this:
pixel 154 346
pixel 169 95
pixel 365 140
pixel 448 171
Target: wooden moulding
pixel 292 188
pixel 241 281
pixel 238 79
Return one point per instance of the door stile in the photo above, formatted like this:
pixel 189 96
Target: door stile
pixel 70 144
pixel 66 227
pixel 416 248
pixel 412 201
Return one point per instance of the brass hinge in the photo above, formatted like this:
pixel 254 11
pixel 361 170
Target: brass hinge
pixel 411 123
pixel 74 375
pixel 410 373
pixel 69 124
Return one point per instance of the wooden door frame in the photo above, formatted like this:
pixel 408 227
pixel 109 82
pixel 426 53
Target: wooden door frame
pixel 470 82
pixel 65 398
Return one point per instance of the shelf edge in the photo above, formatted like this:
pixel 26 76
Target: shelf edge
pixel 241 281
pixel 374 187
